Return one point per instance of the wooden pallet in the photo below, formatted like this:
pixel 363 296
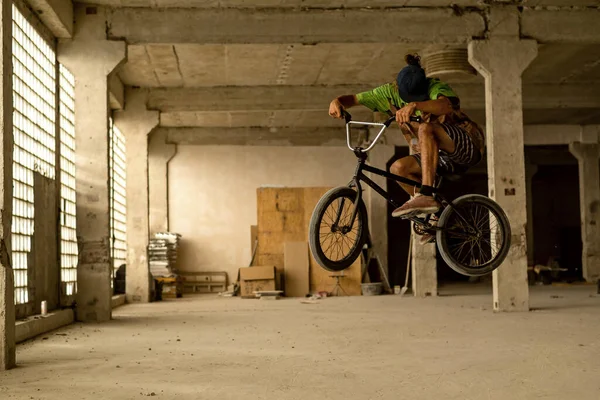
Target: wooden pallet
pixel 204 282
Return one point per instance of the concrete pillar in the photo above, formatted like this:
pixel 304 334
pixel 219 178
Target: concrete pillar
pixel 501 60
pixel 378 206
pixel 7 303
pixel 587 155
pixel 91 58
pixel 136 122
pixel 530 171
pixel 424 267
pixel 159 155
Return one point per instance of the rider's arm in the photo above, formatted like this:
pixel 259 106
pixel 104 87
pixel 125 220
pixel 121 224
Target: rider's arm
pixel 341 103
pixel 348 100
pixel 441 106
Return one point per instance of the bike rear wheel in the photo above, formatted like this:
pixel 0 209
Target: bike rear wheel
pixel 335 243
pixel 475 235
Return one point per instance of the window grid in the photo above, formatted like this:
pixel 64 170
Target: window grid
pixel 118 203
pixel 68 221
pixel 34 118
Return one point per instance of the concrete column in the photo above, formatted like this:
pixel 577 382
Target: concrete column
pixel 587 155
pixel 159 155
pixel 91 58
pixel 501 60
pixel 7 303
pixel 530 171
pixel 378 206
pixel 424 267
pixel 136 122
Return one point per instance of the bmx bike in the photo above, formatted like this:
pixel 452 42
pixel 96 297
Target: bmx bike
pixel 472 234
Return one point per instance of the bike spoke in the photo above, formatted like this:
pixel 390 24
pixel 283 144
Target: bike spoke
pixel 330 245
pixel 338 247
pixel 337 244
pixel 498 247
pixel 330 213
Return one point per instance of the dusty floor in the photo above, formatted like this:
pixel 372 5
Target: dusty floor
pixel 387 347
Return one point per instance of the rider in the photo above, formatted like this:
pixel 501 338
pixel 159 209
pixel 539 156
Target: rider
pixel 447 138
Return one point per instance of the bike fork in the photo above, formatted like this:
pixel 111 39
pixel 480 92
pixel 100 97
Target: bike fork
pixel 356 184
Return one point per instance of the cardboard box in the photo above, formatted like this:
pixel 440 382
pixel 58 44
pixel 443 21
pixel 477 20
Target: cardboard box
pixel 254 279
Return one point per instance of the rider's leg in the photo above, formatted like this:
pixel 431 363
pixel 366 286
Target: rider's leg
pixel 407 167
pixel 432 139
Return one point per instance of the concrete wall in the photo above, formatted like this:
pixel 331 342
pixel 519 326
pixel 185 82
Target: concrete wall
pixel 45 250
pixel 212 195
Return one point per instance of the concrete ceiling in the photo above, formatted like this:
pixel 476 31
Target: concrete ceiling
pixel 173 66
pixel 284 3
pixel 206 65
pixel 191 65
pixel 362 65
pixel 235 119
pixel 323 3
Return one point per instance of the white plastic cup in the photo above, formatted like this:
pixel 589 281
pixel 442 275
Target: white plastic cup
pixel 44 307
pixel 397 289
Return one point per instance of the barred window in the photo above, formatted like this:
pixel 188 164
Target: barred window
pixel 68 222
pixel 34 118
pixel 118 203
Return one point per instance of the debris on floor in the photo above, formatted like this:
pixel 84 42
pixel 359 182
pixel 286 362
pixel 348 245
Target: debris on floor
pixel 314 299
pixel 268 294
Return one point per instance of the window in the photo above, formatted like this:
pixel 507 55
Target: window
pixel 68 222
pixel 34 124
pixel 118 204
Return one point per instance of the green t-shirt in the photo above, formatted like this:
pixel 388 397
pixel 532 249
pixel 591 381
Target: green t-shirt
pixel 380 98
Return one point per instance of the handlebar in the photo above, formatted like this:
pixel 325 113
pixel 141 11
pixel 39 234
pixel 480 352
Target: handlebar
pixel 414 118
pixel 384 126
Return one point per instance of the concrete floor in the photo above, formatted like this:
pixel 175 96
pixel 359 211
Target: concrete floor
pixel 387 347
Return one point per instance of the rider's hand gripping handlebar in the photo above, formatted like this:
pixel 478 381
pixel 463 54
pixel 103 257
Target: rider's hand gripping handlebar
pixel 383 126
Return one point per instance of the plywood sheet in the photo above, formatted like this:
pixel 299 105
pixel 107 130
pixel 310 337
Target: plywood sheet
pixel 253 241
pixel 296 269
pixel 283 216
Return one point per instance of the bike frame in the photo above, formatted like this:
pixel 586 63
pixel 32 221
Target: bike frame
pixel 359 175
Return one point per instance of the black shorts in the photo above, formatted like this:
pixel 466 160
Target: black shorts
pixel 464 156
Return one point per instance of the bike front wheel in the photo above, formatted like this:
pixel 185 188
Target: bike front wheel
pixel 475 235
pixel 335 240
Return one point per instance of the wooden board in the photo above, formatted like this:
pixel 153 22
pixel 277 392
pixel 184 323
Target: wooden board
pixel 296 269
pixel 253 242
pixel 280 216
pixel 283 216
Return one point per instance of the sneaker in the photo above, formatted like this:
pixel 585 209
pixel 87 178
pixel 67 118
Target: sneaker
pixel 417 205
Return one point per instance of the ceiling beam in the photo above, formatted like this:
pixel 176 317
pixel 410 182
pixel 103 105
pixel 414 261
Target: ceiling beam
pixel 274 98
pixel 561 26
pixel 57 15
pixel 422 25
pixel 534 135
pixel 260 136
pixel 247 98
pixel 279 25
pixel 116 92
